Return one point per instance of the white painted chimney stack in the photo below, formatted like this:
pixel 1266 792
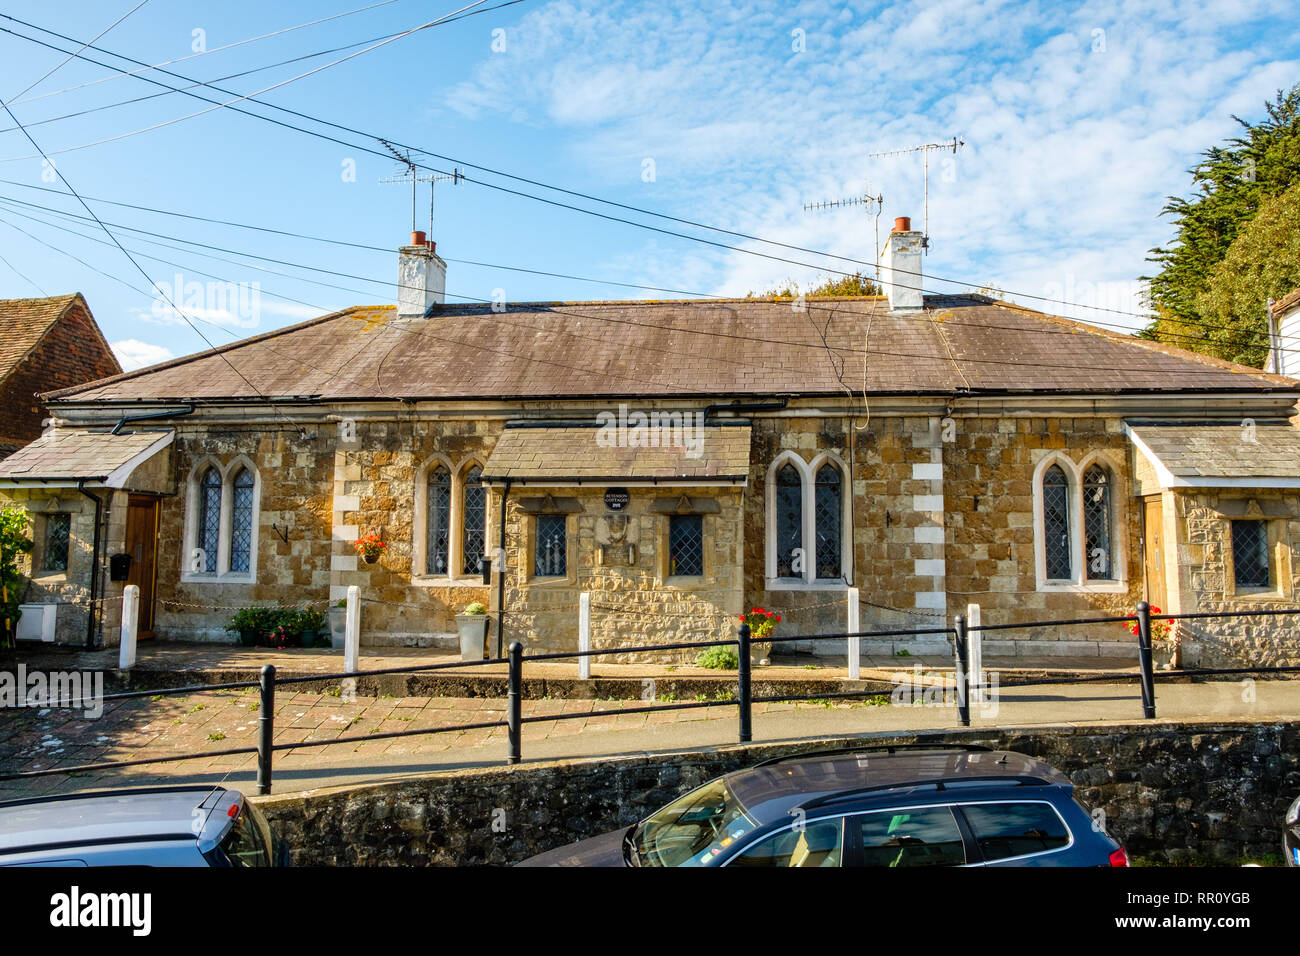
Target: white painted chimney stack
pixel 421 277
pixel 900 267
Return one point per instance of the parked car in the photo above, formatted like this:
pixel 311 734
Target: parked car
pixel 890 806
pixel 145 826
pixel 1291 834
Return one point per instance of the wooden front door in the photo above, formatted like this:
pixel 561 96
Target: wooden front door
pixel 142 545
pixel 1153 549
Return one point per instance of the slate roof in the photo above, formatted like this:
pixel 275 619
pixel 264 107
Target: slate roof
pixel 1254 451
pixel 532 454
pixel 69 454
pixel 679 347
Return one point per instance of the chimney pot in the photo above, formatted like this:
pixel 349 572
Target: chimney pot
pixel 903 224
pixel 417 238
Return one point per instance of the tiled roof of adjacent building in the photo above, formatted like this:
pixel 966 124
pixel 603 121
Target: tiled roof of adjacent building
pixel 680 347
pixel 667 451
pixel 71 454
pixel 24 322
pixel 1287 302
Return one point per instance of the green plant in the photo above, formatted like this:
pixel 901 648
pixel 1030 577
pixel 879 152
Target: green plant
pixel 13 542
pixel 722 658
pixel 478 607
pixel 217 736
pixel 902 652
pixel 761 623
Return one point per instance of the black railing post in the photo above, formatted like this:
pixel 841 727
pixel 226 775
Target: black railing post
pixel 742 676
pixel 514 714
pixel 960 672
pixel 265 729
pixel 1144 660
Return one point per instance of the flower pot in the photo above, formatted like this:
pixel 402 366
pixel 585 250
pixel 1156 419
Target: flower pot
pixel 371 558
pixel 338 626
pixel 473 635
pixel 248 637
pixel 760 652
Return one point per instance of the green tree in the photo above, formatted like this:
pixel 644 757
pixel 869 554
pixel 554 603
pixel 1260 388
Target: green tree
pixel 13 542
pixel 831 286
pixel 1232 182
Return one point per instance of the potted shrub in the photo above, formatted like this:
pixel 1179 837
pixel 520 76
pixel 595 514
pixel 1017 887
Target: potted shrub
pixel 370 548
pixel 472 624
pixel 761 624
pixel 249 623
pixel 1164 641
pixel 310 624
pixel 338 624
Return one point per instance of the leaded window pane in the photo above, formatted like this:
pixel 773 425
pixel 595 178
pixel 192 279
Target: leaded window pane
pixel 439 530
pixel 241 521
pixel 57 530
pixel 686 545
pixel 475 517
pixel 827 504
pixel 550 559
pixel 789 520
pixel 209 518
pixel 1056 523
pixel 1250 554
pixel 1096 523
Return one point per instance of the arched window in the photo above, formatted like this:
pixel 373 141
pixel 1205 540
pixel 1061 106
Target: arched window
pixel 1098 556
pixel 439 524
pixel 209 523
pixel 828 508
pixel 474 512
pixel 1056 524
pixel 789 521
pixel 241 521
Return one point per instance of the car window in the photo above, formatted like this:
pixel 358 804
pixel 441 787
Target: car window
pixel 1004 830
pixel 812 844
pixel 707 819
pixel 922 836
pixel 245 843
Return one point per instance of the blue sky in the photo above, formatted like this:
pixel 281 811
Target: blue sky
pixel 1078 118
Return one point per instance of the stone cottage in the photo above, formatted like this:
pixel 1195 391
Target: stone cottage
pixel 682 461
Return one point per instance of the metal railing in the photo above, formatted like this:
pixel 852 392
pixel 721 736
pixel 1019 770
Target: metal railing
pixel 744 700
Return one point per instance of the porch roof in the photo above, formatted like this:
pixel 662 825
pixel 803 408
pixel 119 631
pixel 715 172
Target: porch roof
pixel 585 453
pixel 64 456
pixel 1221 455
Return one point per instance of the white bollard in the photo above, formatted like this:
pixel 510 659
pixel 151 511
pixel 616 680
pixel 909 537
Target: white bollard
pixel 584 634
pixel 130 621
pixel 855 643
pixel 352 633
pixel 975 644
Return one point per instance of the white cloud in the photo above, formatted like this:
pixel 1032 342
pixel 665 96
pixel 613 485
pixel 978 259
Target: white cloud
pixel 134 354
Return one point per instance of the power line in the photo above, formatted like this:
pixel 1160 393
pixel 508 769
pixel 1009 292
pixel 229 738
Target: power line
pixel 63 63
pixel 192 56
pixel 252 98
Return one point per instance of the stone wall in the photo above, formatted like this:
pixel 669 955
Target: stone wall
pixel 1206 583
pixel 1169 791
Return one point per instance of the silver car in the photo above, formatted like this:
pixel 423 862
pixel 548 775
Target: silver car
pixel 145 826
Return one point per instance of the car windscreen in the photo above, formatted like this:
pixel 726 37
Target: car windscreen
pixel 692 828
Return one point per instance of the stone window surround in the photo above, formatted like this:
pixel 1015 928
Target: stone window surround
pixel 683 582
pixel 527 552
pixel 1074 473
pixel 420 575
pixel 223 574
pixel 38 511
pixel 1279 562
pixel 807 477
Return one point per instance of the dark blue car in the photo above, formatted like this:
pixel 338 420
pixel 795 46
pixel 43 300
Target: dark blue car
pixel 893 806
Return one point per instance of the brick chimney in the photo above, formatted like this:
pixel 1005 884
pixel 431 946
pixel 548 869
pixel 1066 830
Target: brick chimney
pixel 421 277
pixel 900 267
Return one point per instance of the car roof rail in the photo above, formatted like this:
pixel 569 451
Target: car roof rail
pixel 205 788
pixel 940 784
pixel 870 748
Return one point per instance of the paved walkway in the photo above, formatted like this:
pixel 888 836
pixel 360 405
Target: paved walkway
pixel 217 720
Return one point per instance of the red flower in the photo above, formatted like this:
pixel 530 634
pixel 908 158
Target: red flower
pixel 778 619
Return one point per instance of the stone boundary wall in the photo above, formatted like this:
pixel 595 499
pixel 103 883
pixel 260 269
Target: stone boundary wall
pixel 1211 789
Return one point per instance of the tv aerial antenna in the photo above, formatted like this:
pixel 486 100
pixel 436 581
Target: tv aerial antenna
pixel 414 177
pixel 925 150
pixel 867 200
